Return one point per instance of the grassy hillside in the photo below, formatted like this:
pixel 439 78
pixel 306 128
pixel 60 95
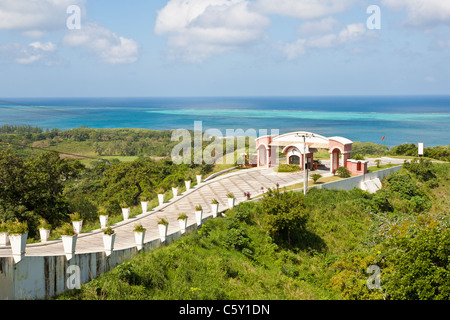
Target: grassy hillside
pixel 333 237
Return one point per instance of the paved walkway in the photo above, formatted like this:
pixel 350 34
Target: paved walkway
pixel 249 180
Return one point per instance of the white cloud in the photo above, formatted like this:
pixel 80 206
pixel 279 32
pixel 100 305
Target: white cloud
pixel 349 34
pixel 198 29
pixel 303 9
pixel 316 27
pixel 28 54
pixel 106 45
pixel 34 18
pixel 422 12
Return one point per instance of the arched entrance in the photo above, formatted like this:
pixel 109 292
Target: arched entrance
pixel 294 159
pixel 334 159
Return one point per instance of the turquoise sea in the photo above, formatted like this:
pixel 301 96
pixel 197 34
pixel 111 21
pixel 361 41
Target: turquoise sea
pixel 401 119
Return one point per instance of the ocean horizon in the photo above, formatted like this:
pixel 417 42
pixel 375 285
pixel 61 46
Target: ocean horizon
pixel 400 119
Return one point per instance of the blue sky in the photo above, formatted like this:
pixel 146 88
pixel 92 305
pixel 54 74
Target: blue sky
pixel 223 48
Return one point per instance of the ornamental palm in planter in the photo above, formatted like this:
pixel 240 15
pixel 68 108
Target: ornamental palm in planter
pixel 144 204
pixel 109 237
pixel 44 230
pixel 163 226
pixel 139 235
pixel 215 207
pixel 103 217
pixel 77 222
pixel 182 219
pixel 4 240
pixel 187 183
pixel 175 190
pixel 231 200
pixel 18 234
pixel 198 214
pixel 125 210
pixel 69 240
pixel 161 193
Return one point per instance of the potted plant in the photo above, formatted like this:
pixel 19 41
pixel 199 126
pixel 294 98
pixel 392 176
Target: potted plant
pixel 139 235
pixel 175 190
pixel 161 192
pixel 77 222
pixel 44 230
pixel 163 226
pixel 69 240
pixel 125 210
pixel 231 200
pixel 182 219
pixel 4 240
pixel 103 217
pixel 18 234
pixel 199 178
pixel 109 236
pixel 198 214
pixel 144 204
pixel 215 207
pixel 187 183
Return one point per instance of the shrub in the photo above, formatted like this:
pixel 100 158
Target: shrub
pixel 422 169
pixel 288 168
pixel 316 177
pixel 17 227
pixel 284 213
pixel 343 172
pixel 139 228
pixel 109 231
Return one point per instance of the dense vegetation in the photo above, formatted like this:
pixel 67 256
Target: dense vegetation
pixel 287 246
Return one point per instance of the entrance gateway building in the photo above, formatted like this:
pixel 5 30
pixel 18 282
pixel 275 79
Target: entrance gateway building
pixel 297 144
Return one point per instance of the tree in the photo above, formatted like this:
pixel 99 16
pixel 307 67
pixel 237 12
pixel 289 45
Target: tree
pixel 284 213
pixel 32 189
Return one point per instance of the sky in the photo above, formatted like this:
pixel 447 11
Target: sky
pixel 180 48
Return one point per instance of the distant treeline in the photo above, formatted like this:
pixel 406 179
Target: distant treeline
pixel 145 142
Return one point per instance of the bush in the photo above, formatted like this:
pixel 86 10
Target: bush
pixel 288 168
pixel 316 177
pixel 343 172
pixel 421 168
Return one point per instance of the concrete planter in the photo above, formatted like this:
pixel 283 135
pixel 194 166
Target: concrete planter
pixel 77 226
pixel 144 206
pixel 126 213
pixel 139 238
pixel 69 244
pixel 18 245
pixel 188 185
pixel 231 202
pixel 103 221
pixel 199 217
pixel 161 199
pixel 163 231
pixel 199 179
pixel 215 209
pixel 108 242
pixel 183 225
pixel 4 240
pixel 175 192
pixel 45 234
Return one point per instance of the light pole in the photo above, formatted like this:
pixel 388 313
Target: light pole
pixel 305 167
